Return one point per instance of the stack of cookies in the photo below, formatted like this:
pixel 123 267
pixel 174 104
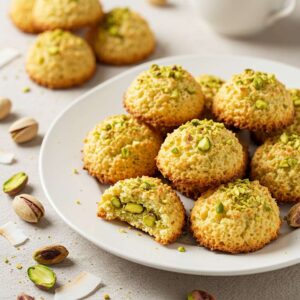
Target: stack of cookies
pixel 61 59
pixel 182 130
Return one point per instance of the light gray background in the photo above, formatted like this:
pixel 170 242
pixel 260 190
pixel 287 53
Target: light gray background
pixel 178 31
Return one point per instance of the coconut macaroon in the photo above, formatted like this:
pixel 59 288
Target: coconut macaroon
pixel 60 59
pixel 199 155
pixel 124 37
pixel 164 97
pixel 238 217
pixel 276 164
pixel 210 85
pixel 295 127
pixel 120 147
pixel 21 15
pixel 66 14
pixel 254 100
pixel 147 204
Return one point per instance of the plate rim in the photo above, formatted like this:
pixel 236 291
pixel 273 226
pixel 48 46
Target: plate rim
pixel 105 247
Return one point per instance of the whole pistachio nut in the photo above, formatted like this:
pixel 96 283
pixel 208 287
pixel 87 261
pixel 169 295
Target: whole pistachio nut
pixel 28 208
pixel 5 107
pixel 42 276
pixel 200 295
pixel 293 217
pixel 50 255
pixel 158 2
pixel 24 297
pixel 15 184
pixel 24 130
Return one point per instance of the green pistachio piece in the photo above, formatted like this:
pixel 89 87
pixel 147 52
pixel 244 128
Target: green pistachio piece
pixel 190 91
pixel 134 208
pixel 220 208
pixel 292 161
pixel 258 83
pixel 284 138
pixel 204 144
pixel 149 220
pixel 125 152
pixel 108 127
pixel 195 123
pixel 115 201
pixel 284 164
pixel 42 276
pixel 15 184
pixel 175 150
pixel 181 249
pixel 175 94
pixel 261 104
pixel 146 186
pixel 297 102
pixel 53 50
pixel 113 30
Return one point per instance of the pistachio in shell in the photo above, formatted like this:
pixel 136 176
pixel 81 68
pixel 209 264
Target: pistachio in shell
pixel 24 130
pixel 50 255
pixel 15 184
pixel 199 295
pixel 42 276
pixel 293 217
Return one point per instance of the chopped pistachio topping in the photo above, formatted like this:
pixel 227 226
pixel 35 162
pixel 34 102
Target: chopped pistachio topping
pixel 115 201
pixel 175 71
pixel 125 152
pixel 146 186
pixel 292 140
pixel 181 249
pixel 288 162
pixel 175 150
pixel 175 94
pixel 108 127
pixel 220 208
pixel 114 20
pixel 295 94
pixel 204 144
pixel 261 104
pixel 106 297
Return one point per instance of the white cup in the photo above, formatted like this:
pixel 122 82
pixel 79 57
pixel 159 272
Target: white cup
pixel 242 17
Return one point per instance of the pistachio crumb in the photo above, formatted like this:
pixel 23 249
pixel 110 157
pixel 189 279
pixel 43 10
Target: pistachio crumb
pixel 6 260
pixel 175 150
pixel 220 208
pixel 122 230
pixel 181 249
pixel 75 171
pixel 26 89
pixel 78 202
pixel 19 266
pixel 261 104
pixel 106 297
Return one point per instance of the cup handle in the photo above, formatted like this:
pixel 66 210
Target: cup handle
pixel 287 8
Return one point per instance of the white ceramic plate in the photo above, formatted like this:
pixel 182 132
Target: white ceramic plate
pixel 61 153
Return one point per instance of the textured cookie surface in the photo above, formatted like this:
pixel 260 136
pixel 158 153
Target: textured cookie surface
pixel 60 59
pixel 294 128
pixel 236 217
pixel 120 147
pixel 276 164
pixel 200 155
pixel 66 14
pixel 147 204
pixel 123 37
pixel 164 96
pixel 210 85
pixel 22 16
pixel 254 100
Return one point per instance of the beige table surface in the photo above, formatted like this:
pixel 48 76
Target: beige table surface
pixel 178 32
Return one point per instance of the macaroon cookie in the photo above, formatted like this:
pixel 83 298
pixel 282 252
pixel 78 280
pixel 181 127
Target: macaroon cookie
pixel 210 85
pixel 276 164
pixel 293 128
pixel 124 37
pixel 254 100
pixel 238 217
pixel 164 97
pixel 22 16
pixel 147 204
pixel 60 59
pixel 200 155
pixel 120 147
pixel 66 14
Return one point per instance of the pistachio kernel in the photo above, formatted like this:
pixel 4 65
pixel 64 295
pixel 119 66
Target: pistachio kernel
pixel 115 201
pixel 50 255
pixel 220 208
pixel 149 220
pixel 297 102
pixel 204 144
pixel 125 153
pixel 15 184
pixel 146 186
pixel 175 94
pixel 181 249
pixel 53 50
pixel 134 208
pixel 261 104
pixel 42 276
pixel 175 150
pixel 195 122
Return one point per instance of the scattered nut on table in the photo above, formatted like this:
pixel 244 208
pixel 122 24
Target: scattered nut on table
pixel 24 130
pixel 15 184
pixel 28 208
pixel 24 297
pixel 42 276
pixel 200 295
pixel 50 255
pixel 293 217
pixel 158 2
pixel 5 107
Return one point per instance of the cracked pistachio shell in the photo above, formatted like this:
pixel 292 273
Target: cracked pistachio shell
pixel 200 295
pixel 24 130
pixel 50 255
pixel 15 184
pixel 5 107
pixel 42 276
pixel 293 217
pixel 28 208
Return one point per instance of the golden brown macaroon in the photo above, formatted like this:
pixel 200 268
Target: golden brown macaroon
pixel 200 155
pixel 124 37
pixel 66 14
pixel 120 147
pixel 238 217
pixel 294 128
pixel 60 59
pixel 254 100
pixel 147 204
pixel 21 15
pixel 276 164
pixel 164 97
